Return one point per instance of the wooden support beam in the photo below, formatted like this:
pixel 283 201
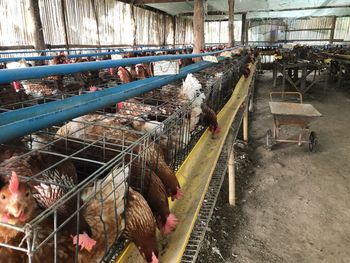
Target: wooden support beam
pixel 245 125
pixel 231 25
pixel 231 178
pixel 146 2
pixel 134 26
pixel 308 29
pixel 298 8
pixel 149 8
pixel 269 10
pixel 331 35
pixel 34 11
pixel 174 28
pixel 96 21
pixel 209 13
pixel 164 30
pixel 65 31
pixel 285 33
pixel 244 26
pixel 246 32
pixel 198 26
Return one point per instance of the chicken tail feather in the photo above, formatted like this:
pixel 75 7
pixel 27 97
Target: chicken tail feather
pixel 170 224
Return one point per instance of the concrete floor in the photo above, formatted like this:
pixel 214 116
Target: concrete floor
pixel 297 205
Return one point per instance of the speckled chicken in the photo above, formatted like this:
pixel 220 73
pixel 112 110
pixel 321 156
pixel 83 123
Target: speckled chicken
pixel 140 226
pixel 107 128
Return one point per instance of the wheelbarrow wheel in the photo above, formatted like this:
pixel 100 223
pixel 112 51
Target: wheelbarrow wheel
pixel 312 141
pixel 269 140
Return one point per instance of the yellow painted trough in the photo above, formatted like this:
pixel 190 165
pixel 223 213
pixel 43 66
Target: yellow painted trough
pixel 194 176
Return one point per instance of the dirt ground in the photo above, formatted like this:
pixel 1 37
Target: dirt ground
pixel 292 205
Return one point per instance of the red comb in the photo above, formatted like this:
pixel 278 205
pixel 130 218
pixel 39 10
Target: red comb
pixel 14 183
pixel 120 105
pixel 92 88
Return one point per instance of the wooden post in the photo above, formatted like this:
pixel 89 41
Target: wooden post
pixel 331 36
pixel 39 42
pixel 245 125
pixel 198 27
pixel 231 24
pixel 65 32
pixel 96 20
pixel 231 178
pixel 134 28
pixel 164 30
pixel 285 33
pixel 246 31
pixel 174 28
pixel 244 25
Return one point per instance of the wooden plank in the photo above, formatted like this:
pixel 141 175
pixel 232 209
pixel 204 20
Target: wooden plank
pixel 294 109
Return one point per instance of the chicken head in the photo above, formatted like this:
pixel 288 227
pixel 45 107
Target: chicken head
pixel 17 202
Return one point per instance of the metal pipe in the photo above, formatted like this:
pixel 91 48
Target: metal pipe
pixel 9 75
pixel 39 58
pixel 24 121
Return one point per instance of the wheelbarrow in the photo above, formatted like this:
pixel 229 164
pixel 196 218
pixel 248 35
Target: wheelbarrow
pixel 292 114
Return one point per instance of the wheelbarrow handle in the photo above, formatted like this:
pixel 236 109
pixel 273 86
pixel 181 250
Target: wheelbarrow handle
pixel 298 94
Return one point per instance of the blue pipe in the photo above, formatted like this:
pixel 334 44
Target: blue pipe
pixel 55 50
pixel 40 58
pixel 9 75
pixel 75 49
pixel 52 50
pixel 25 121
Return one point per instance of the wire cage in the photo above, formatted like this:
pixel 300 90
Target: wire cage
pixel 91 161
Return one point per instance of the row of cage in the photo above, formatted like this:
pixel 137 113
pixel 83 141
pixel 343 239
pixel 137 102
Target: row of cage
pixel 79 172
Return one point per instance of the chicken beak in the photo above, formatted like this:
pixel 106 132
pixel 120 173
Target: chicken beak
pixel 14 208
pixel 16 211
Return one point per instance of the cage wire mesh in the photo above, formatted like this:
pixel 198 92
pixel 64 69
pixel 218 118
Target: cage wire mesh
pixel 99 155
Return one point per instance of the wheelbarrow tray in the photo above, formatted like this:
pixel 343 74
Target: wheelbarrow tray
pixel 286 113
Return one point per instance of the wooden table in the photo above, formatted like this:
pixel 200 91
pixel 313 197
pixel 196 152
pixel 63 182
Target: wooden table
pixel 290 72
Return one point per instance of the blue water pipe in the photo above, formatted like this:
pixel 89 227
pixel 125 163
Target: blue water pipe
pixel 9 75
pixel 24 121
pixel 41 58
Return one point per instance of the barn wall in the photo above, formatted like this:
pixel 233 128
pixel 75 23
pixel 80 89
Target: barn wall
pixel 90 22
pixel 268 31
pixel 217 32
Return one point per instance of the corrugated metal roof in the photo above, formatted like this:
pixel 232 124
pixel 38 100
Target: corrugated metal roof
pixel 261 9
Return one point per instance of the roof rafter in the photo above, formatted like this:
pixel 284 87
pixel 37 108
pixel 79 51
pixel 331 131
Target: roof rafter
pixel 270 10
pixel 146 2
